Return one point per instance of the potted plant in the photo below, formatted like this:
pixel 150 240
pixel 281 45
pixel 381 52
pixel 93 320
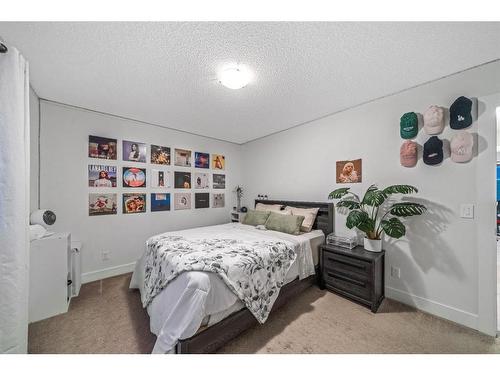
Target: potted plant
pixel 369 215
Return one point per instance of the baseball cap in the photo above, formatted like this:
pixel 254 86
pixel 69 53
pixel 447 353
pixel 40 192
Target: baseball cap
pixel 461 145
pixel 433 151
pixel 434 120
pixel 460 113
pixel 408 154
pixel 408 125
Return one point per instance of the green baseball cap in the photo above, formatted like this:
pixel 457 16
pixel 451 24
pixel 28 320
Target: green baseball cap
pixel 409 125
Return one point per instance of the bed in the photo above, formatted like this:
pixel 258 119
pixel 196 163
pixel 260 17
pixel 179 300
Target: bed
pixel 197 312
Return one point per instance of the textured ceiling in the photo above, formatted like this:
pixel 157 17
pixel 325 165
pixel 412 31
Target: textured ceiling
pixel 165 73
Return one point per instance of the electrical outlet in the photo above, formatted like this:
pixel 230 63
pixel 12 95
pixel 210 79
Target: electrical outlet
pixel 467 211
pixel 395 272
pixel 105 255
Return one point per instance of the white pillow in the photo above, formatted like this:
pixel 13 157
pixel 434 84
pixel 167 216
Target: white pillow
pixel 268 207
pixel 309 216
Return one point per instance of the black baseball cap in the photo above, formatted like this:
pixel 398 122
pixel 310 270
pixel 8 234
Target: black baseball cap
pixel 460 113
pixel 433 151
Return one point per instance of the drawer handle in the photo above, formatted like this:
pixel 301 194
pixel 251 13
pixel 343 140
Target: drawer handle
pixel 348 279
pixel 361 267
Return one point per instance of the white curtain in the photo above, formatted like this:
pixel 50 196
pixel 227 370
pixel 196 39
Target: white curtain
pixel 14 201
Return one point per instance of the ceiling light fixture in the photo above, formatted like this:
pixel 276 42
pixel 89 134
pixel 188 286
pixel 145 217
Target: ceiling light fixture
pixel 235 77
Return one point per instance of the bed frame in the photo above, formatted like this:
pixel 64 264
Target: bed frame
pixel 210 339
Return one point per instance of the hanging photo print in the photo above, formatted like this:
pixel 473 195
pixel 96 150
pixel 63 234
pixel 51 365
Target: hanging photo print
pixel 102 176
pixel 102 204
pixel 201 160
pixel 134 203
pixel 349 171
pixel 102 148
pixel 160 202
pixel 134 177
pixel 182 180
pixel 134 151
pixel 160 179
pixel 182 158
pixel 218 200
pixel 218 162
pixel 160 155
pixel 219 181
pixel 182 201
pixel 201 181
pixel 201 200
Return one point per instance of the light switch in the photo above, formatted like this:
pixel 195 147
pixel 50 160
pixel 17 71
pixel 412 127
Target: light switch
pixel 467 210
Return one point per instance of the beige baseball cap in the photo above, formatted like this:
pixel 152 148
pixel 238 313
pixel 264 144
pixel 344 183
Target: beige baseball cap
pixel 461 146
pixel 408 154
pixel 434 120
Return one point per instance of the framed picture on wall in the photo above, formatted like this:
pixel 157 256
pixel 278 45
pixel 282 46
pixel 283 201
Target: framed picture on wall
pixel 160 178
pixel 160 202
pixel 201 181
pixel 133 203
pixel 218 162
pixel 182 180
pixel 102 175
pixel 218 200
pixel 134 177
pixel 219 181
pixel 160 155
pixel 182 157
pixel 349 171
pixel 201 200
pixel 102 204
pixel 102 148
pixel 134 151
pixel 201 160
pixel 182 201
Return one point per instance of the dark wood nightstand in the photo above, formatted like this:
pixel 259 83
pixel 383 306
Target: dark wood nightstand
pixel 356 274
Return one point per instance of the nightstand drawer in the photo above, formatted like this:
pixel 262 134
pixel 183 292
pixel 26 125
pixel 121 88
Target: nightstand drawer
pixel 347 264
pixel 347 284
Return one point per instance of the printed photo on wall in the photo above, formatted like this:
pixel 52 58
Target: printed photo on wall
pixel 134 177
pixel 201 200
pixel 219 181
pixel 102 176
pixel 201 160
pixel 201 181
pixel 102 204
pixel 160 155
pixel 182 180
pixel 102 148
pixel 218 162
pixel 160 179
pixel 134 151
pixel 133 203
pixel 182 158
pixel 160 202
pixel 349 171
pixel 218 200
pixel 182 201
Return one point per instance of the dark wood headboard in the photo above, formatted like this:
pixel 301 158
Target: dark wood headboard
pixel 324 219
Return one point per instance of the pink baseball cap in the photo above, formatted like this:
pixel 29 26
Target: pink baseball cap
pixel 434 120
pixel 461 146
pixel 408 154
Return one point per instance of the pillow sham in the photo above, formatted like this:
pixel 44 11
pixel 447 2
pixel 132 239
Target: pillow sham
pixel 255 218
pixel 284 223
pixel 309 216
pixel 268 207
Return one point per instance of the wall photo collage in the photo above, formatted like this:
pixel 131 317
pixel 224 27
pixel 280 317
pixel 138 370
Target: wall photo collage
pixel 103 178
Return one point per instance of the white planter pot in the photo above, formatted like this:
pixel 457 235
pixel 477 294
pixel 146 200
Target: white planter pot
pixel 373 245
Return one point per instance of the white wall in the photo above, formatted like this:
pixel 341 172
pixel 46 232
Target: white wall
pixel 64 147
pixel 34 124
pixel 439 256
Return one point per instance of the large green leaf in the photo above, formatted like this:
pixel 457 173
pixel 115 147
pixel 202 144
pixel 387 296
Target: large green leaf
pixel 360 220
pixel 338 193
pixel 374 197
pixel 405 209
pixel 352 205
pixel 393 227
pixel 400 189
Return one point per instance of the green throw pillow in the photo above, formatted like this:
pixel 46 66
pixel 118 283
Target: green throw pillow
pixel 284 223
pixel 256 217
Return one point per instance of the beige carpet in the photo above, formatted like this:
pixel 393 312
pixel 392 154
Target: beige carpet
pixel 111 320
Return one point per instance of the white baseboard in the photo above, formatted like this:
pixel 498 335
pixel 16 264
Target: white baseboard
pixel 462 317
pixel 107 272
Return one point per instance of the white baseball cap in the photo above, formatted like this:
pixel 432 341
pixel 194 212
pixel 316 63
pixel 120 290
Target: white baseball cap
pixel 434 120
pixel 461 146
